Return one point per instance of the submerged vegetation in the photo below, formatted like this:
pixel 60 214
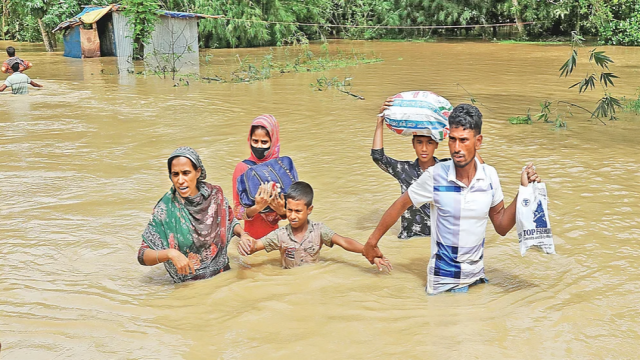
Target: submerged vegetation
pixel 272 22
pixel 296 59
pixel 632 105
pixel 599 76
pixel 344 86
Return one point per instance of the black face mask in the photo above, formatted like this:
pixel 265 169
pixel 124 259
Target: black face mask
pixel 259 153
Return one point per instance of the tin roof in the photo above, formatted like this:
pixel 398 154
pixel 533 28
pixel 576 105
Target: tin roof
pixel 91 14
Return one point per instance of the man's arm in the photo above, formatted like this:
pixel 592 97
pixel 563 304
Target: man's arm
pixel 3 87
pixel 504 219
pixel 371 250
pixel 34 84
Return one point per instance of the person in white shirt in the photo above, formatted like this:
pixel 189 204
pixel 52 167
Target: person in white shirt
pixel 462 193
pixel 18 81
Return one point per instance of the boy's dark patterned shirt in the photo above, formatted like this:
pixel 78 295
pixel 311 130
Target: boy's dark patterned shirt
pixel 414 221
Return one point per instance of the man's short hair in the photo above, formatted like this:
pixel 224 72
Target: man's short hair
pixel 15 67
pixel 11 51
pixel 301 191
pixel 467 117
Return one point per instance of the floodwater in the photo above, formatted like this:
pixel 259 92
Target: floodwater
pixel 83 164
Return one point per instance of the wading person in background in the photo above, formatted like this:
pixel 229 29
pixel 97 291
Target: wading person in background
pixel 415 221
pixel 7 65
pixel 18 82
pixel 264 144
pixel 191 225
pixel 462 193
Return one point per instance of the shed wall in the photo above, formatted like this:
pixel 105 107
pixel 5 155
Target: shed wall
pixel 174 41
pixel 123 35
pixel 72 47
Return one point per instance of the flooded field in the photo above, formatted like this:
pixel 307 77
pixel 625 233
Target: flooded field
pixel 84 161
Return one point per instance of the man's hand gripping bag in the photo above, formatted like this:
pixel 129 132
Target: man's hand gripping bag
pixel 532 219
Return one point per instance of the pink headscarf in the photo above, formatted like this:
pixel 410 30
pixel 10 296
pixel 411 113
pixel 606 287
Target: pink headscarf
pixel 270 123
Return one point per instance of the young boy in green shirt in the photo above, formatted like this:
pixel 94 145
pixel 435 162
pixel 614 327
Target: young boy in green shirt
pixel 301 240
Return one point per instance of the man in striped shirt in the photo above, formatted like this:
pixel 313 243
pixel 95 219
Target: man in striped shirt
pixel 462 193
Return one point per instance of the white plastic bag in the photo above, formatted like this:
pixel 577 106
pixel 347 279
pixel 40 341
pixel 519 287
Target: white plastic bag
pixel 532 219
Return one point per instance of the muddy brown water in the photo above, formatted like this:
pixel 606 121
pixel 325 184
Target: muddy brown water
pixel 83 164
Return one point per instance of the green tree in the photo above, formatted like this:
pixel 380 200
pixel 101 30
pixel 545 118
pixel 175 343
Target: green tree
pixel 143 15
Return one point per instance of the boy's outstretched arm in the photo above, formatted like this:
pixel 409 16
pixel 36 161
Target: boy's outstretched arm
pixel 354 246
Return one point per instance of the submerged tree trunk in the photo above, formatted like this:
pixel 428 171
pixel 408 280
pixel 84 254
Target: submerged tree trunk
pixel 5 14
pixel 518 20
pixel 48 44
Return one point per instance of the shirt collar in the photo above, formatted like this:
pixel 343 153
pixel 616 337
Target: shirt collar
pixel 293 238
pixel 417 164
pixel 480 175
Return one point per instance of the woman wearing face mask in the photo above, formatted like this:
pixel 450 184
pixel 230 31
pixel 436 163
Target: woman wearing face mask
pixel 264 142
pixel 191 225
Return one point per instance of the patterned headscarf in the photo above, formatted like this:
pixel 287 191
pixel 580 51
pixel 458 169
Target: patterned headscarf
pixel 270 123
pixel 190 154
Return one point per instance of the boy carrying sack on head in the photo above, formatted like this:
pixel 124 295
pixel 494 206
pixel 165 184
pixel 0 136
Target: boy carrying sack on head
pixel 301 240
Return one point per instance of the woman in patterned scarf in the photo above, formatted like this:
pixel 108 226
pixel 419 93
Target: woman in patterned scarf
pixel 264 143
pixel 191 225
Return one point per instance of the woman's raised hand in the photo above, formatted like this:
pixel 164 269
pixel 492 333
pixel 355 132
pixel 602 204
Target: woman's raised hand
pixel 264 196
pixel 181 262
pixel 277 204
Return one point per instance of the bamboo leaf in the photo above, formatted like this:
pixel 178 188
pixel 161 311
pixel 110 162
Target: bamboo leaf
pixel 600 59
pixel 606 79
pixel 568 67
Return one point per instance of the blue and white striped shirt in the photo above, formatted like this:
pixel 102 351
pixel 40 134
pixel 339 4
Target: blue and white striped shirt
pixel 459 216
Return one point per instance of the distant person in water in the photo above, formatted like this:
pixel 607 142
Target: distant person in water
pixel 7 67
pixel 463 194
pixel 191 225
pixel 300 242
pixel 415 221
pixel 18 82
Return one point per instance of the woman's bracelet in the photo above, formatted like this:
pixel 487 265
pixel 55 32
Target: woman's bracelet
pixel 157 260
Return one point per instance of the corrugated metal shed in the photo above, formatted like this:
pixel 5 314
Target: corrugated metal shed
pixel 174 42
pixel 123 35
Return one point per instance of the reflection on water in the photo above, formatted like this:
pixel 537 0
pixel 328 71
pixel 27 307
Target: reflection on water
pixel 83 165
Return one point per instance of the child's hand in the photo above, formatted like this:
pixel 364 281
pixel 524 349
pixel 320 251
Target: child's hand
pixel 245 245
pixel 383 261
